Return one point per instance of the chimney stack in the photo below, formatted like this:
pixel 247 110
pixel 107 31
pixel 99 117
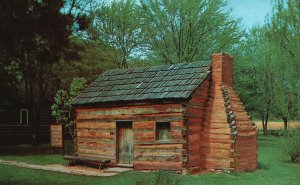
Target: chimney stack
pixel 222 71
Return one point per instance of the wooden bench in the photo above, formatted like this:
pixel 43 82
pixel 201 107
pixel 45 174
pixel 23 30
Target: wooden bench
pixel 74 159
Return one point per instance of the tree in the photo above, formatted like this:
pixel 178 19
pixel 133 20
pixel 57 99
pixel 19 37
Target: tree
pixel 254 75
pixel 80 10
pixel 286 95
pixel 291 144
pixel 188 30
pixel 274 56
pixel 118 25
pixel 92 59
pixel 62 107
pixel 34 35
pixel 284 34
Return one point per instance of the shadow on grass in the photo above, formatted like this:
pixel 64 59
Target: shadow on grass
pixel 266 138
pixel 263 166
pixel 41 149
pixel 289 161
pixel 266 145
pixel 15 183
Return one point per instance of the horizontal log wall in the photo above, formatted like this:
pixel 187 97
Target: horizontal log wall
pixel 155 155
pixel 158 156
pixel 96 134
pixel 195 121
pixel 95 139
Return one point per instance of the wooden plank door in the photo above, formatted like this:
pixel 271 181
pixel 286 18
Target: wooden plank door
pixel 125 142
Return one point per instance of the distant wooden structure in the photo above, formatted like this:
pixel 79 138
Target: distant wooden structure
pixel 17 127
pixel 180 116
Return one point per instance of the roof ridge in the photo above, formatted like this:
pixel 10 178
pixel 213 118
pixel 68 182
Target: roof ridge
pixel 146 83
pixel 154 66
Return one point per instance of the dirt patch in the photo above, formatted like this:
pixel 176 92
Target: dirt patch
pixel 277 125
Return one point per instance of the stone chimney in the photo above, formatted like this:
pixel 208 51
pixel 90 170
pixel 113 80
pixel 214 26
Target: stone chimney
pixel 222 71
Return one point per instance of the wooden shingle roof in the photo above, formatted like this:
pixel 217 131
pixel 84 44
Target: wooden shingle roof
pixel 173 81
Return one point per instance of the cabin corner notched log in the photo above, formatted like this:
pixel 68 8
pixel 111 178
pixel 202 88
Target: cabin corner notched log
pixel 180 116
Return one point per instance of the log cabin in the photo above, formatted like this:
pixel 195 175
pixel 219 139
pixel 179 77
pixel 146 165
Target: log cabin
pixel 179 117
pixel 17 126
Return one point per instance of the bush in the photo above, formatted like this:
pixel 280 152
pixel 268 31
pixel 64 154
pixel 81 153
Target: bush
pixel 141 181
pixel 166 178
pixel 292 144
pixel 163 178
pixel 281 133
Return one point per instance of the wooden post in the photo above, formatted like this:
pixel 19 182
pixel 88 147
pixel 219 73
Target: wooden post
pixel 63 140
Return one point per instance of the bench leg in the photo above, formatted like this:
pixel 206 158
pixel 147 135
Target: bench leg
pixel 68 164
pixel 71 163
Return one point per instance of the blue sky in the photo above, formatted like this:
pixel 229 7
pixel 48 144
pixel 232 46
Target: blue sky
pixel 252 12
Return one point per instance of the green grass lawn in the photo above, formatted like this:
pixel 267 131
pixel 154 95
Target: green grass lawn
pixel 41 154
pixel 37 159
pixel 275 169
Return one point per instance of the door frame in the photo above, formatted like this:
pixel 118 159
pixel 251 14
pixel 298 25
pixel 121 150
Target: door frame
pixel 118 123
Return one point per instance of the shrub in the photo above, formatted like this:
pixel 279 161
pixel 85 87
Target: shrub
pixel 292 144
pixel 166 178
pixel 281 133
pixel 163 178
pixel 141 181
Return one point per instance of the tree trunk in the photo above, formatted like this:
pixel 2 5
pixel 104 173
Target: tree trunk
pixel 285 121
pixel 124 63
pixel 26 87
pixel 266 121
pixel 71 133
pixel 32 112
pixel 263 123
pixel 29 95
pixel 38 120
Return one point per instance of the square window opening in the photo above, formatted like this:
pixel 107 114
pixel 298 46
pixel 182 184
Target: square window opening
pixel 23 116
pixel 163 131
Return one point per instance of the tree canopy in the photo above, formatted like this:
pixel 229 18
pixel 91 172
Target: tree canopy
pixel 188 30
pixel 267 69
